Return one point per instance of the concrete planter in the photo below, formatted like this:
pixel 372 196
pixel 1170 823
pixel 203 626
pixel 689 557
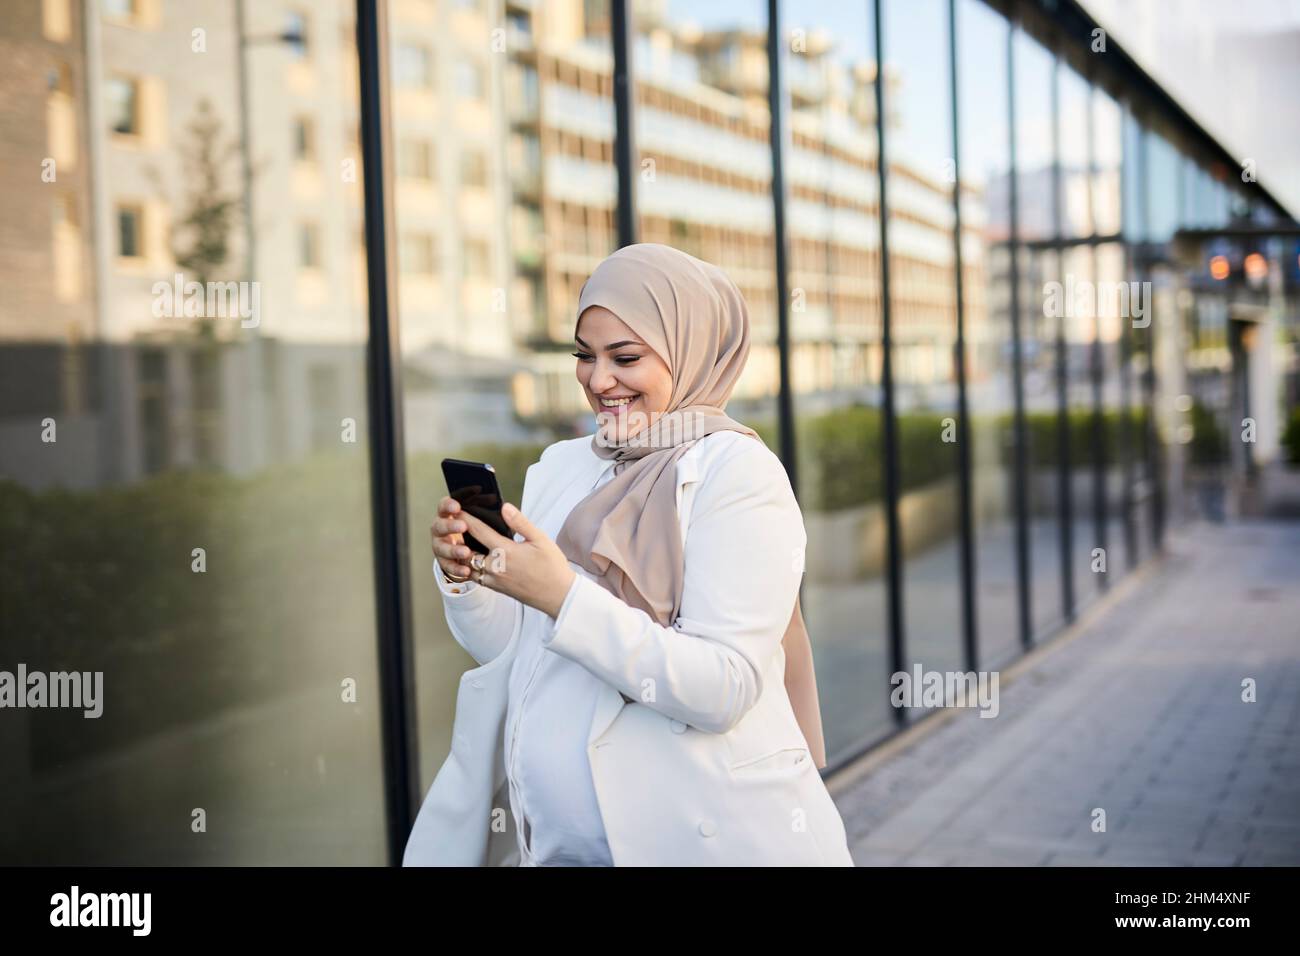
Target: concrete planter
pixel 849 544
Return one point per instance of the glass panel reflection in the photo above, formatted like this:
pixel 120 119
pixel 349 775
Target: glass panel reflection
pixel 834 240
pixel 1038 265
pixel 505 205
pixel 923 323
pixel 982 37
pixel 704 164
pixel 1084 302
pixel 185 491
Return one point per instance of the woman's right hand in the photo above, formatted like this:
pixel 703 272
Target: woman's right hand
pixel 449 548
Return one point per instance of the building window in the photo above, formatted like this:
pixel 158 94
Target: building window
pixel 304 139
pixel 65 211
pixel 59 79
pixel 308 246
pixel 416 254
pixel 473 168
pixel 519 25
pixel 130 232
pixel 469 80
pixel 152 393
pixel 326 412
pixel 125 11
pixel 412 66
pixel 296 34
pixel 123 105
pixel 477 259
pixel 415 159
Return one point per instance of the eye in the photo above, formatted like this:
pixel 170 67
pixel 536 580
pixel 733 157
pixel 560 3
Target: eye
pixel 621 360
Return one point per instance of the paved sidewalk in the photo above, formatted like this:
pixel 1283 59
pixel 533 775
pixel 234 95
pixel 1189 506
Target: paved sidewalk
pixel 1137 711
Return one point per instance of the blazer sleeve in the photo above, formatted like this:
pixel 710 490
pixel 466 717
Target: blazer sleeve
pixel 481 619
pixel 743 565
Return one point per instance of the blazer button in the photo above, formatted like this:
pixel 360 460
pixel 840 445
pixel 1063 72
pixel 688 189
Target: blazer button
pixel 677 726
pixel 707 828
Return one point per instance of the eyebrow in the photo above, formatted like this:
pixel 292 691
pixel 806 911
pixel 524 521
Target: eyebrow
pixel 608 348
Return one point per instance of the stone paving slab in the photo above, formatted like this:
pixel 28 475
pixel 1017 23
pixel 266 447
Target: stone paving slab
pixel 1137 711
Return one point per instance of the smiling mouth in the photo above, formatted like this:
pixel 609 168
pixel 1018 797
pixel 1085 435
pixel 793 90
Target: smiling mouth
pixel 614 405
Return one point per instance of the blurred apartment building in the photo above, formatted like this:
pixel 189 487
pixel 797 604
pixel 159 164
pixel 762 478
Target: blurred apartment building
pixel 505 198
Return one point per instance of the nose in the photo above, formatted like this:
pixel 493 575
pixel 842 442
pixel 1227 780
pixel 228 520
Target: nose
pixel 601 380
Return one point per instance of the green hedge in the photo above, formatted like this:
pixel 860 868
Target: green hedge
pixel 1044 438
pixel 841 452
pixel 1209 444
pixel 101 581
pixel 1291 437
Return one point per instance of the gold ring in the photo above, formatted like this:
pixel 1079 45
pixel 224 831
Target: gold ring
pixel 476 562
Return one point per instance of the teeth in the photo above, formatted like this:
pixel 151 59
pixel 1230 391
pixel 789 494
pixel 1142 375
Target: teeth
pixel 611 404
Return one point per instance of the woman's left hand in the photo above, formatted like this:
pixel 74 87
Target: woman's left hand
pixel 534 571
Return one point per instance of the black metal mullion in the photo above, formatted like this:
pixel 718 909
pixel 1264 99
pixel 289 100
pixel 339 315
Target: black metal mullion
pixel 621 26
pixel 888 430
pixel 776 138
pixel 970 635
pixel 387 457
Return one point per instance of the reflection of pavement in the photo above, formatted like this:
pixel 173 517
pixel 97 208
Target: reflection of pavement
pixel 847 622
pixel 293 781
pixel 1137 712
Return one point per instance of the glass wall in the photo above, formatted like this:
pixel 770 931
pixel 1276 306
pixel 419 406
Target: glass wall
pixel 835 329
pixel 1109 262
pixel 704 164
pixel 185 455
pixel 505 201
pixel 923 326
pixel 1137 230
pixel 1039 264
pixel 185 496
pixel 1081 304
pixel 983 111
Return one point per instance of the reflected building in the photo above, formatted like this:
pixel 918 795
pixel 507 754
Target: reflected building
pixel 186 495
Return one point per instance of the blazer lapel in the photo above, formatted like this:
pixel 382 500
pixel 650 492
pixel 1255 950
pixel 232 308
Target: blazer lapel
pixel 575 474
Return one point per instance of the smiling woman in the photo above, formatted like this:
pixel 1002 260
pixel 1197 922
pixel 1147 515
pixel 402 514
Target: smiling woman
pixel 632 637
pixel 619 372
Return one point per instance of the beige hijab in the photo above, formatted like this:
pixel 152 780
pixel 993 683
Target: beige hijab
pixel 695 319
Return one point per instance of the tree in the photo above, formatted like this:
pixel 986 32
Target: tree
pixel 201 239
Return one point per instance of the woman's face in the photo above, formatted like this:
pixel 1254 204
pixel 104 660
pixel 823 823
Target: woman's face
pixel 616 363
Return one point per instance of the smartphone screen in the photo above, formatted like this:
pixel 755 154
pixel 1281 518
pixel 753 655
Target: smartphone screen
pixel 474 485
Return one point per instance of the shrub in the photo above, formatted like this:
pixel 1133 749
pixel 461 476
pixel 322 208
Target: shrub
pixel 1291 437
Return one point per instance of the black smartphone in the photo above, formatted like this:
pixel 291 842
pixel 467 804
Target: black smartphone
pixel 474 485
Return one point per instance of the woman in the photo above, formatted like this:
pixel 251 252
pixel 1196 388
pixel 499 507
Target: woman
pixel 631 697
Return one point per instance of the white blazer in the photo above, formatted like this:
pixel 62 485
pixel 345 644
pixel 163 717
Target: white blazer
pixel 711 770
